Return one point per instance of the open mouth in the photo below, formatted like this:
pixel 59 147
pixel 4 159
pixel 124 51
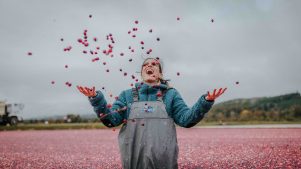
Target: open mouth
pixel 149 71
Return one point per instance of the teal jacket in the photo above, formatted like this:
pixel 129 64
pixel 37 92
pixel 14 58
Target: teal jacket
pixel 175 105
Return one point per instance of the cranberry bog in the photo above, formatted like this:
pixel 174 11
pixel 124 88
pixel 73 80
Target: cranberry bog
pixel 198 148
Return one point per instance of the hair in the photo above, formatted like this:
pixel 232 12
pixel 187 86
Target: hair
pixel 162 80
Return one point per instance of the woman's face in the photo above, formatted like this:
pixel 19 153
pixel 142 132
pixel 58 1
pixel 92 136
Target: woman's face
pixel 151 71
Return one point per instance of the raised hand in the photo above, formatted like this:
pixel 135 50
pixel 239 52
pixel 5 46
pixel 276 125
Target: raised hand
pixel 87 91
pixel 214 95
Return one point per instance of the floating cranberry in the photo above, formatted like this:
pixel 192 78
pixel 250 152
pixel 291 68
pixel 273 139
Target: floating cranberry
pixel 178 18
pixel 158 39
pixel 130 60
pixel 133 77
pixel 130 47
pixel 125 74
pixel 62 39
pixel 95 39
pixel 66 66
pixel 104 63
pixel 178 73
pixel 132 84
pixel 116 98
pixel 150 31
pixel 129 32
pixel 103 88
pixel 136 22
pixel 212 20
pixel 84 51
pixel 108 70
pixel 97 47
pixel 29 53
pixel 111 95
pixel 120 70
pixel 79 40
pixel 121 54
pixel 142 47
pixel 52 82
pixel 132 50
pixel 142 43
pixel 142 124
pixel 237 82
pixel 134 36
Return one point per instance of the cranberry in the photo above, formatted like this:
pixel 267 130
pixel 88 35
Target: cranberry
pixel 136 22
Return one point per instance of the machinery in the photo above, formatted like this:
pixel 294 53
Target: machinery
pixel 9 113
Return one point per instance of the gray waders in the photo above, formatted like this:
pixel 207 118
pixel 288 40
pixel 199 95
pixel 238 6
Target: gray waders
pixel 148 140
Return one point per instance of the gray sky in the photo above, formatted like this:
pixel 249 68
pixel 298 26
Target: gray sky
pixel 254 42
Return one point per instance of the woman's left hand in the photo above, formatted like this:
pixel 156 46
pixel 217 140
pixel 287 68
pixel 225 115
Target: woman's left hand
pixel 214 95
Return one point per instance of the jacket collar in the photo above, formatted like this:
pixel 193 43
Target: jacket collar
pixel 143 87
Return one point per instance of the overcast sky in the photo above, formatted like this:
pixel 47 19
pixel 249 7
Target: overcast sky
pixel 257 43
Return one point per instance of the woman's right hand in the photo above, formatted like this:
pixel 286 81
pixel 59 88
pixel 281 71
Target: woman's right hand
pixel 87 91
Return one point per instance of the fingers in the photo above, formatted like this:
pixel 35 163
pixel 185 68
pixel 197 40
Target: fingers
pixel 87 91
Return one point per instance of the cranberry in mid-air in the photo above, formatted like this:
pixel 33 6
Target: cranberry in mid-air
pixel 142 43
pixel 158 39
pixel 130 60
pixel 62 39
pixel 108 70
pixel 125 74
pixel 120 70
pixel 136 22
pixel 237 82
pixel 29 53
pixel 178 18
pixel 66 66
pixel 90 16
pixel 52 82
pixel 150 31
pixel 178 73
pixel 121 54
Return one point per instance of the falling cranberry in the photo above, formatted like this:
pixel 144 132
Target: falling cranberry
pixel 178 18
pixel 150 31
pixel 133 77
pixel 132 84
pixel 130 47
pixel 157 58
pixel 95 39
pixel 104 63
pixel 90 16
pixel 125 74
pixel 111 95
pixel 116 98
pixel 79 40
pixel 84 51
pixel 158 39
pixel 134 36
pixel 130 60
pixel 237 82
pixel 97 47
pixel 121 54
pixel 132 50
pixel 103 88
pixel 62 39
pixel 129 32
pixel 120 70
pixel 136 22
pixel 142 43
pixel 29 53
pixel 52 82
pixel 108 70
pixel 142 124
pixel 69 84
pixel 142 47
pixel 178 73
pixel 212 20
pixel 66 66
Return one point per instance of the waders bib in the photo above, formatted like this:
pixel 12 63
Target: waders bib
pixel 148 140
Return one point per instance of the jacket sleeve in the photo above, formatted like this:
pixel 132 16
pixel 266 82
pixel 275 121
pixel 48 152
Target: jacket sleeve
pixel 112 117
pixel 189 117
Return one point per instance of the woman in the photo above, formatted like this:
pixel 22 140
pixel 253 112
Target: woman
pixel 148 138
